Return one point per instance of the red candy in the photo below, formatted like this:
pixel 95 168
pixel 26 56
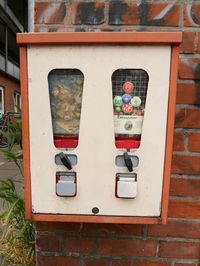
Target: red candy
pixel 127 108
pixel 128 87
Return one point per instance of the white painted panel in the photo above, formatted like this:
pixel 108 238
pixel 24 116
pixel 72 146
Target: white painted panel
pixel 96 151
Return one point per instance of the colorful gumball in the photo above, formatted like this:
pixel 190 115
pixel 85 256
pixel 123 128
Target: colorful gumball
pixel 136 101
pixel 126 98
pixel 118 109
pixel 128 87
pixel 127 108
pixel 117 101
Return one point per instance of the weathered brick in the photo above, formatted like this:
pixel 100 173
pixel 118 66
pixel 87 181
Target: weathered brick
pixel 184 209
pixel 113 229
pixel 156 14
pixel 198 44
pixel 56 261
pixel 48 243
pixel 80 244
pixel 123 13
pixel 159 14
pixel 192 15
pixel 50 13
pixel 175 229
pixel 57 227
pixel 185 187
pixel 122 262
pixel 187 118
pixel 91 13
pixel 185 264
pixel 96 262
pixel 178 142
pixel 127 247
pixel 183 250
pixel 194 142
pixel 186 164
pixel 189 68
pixel 188 93
pixel 188 43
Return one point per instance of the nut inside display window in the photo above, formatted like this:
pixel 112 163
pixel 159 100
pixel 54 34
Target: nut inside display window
pixel 65 90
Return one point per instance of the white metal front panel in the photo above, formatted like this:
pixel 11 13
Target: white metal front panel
pixel 96 151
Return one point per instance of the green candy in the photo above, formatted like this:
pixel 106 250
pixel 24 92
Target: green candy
pixel 117 101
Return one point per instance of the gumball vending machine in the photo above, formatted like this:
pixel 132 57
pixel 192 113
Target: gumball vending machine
pixel 98 119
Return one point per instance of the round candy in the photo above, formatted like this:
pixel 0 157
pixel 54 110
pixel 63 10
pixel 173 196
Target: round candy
pixel 128 87
pixel 127 108
pixel 136 101
pixel 117 101
pixel 126 98
pixel 117 109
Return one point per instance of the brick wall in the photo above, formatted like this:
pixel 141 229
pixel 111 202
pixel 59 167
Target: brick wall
pixel 9 87
pixel 178 242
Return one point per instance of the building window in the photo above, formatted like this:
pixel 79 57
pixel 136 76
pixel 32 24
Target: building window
pixel 17 101
pixel 1 101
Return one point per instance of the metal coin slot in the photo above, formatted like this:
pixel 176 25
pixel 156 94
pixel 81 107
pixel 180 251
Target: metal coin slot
pixel 66 184
pixel 126 186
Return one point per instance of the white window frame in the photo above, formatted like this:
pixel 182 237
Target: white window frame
pixel 2 94
pixel 16 95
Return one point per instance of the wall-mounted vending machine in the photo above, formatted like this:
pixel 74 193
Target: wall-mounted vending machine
pixel 98 116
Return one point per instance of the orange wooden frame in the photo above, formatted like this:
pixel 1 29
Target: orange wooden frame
pixel 148 38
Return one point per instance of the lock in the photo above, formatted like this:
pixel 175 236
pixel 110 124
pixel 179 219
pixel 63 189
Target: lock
pixel 66 184
pixel 126 186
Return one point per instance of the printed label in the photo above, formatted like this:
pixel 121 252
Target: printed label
pixel 128 124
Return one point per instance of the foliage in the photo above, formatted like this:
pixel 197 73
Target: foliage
pixel 11 133
pixel 16 234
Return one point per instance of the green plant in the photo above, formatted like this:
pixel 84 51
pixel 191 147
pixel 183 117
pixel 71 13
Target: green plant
pixel 16 234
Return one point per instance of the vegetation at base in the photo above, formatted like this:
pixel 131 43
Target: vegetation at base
pixel 16 233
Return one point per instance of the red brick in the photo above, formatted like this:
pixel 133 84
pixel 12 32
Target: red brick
pixel 127 247
pixel 184 209
pixel 175 229
pixel 57 227
pixel 194 142
pixel 198 43
pixel 192 15
pixel 80 244
pixel 178 142
pixel 88 13
pixel 161 14
pixel 189 68
pixel 123 13
pixel 113 229
pixel 179 250
pixel 185 264
pixel 95 262
pixel 188 93
pixel 187 45
pixel 48 243
pixel 122 262
pixel 50 13
pixel 156 14
pixel 187 118
pixel 56 261
pixel 10 86
pixel 185 164
pixel 185 187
